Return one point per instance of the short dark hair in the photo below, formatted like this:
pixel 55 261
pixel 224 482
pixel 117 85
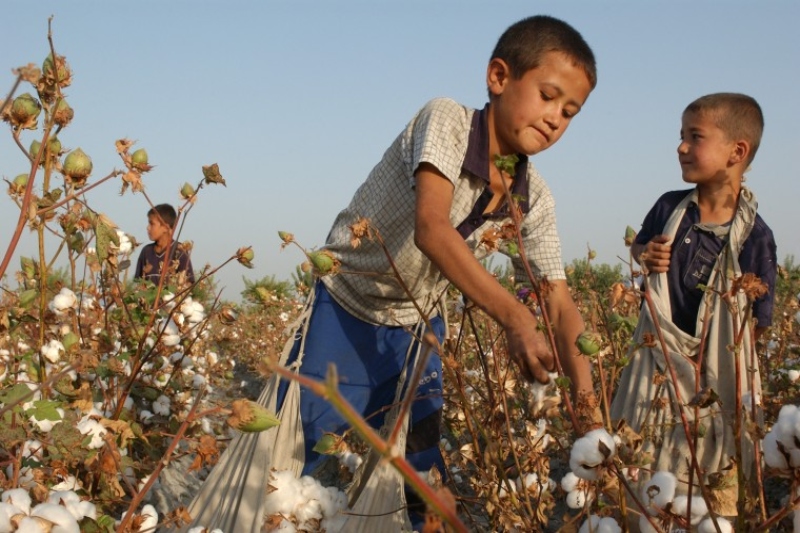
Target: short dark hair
pixel 166 212
pixel 524 43
pixel 736 114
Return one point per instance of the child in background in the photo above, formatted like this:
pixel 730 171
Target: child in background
pixel 696 244
pixel 151 264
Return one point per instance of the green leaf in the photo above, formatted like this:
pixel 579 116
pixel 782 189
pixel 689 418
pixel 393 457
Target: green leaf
pixel 106 234
pixel 506 163
pixel 16 394
pixel 27 297
pixel 44 410
pixel 563 382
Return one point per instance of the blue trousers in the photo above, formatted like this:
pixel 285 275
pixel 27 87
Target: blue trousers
pixel 369 360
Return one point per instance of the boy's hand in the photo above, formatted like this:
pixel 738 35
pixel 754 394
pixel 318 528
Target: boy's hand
pixel 656 254
pixel 529 348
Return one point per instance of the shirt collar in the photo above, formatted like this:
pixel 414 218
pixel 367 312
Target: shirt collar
pixel 476 160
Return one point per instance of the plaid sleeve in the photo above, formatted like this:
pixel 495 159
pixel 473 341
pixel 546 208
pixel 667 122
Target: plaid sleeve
pixel 438 135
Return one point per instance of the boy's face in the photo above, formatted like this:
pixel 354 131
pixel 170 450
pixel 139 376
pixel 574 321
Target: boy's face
pixel 705 153
pixel 531 113
pixel 156 229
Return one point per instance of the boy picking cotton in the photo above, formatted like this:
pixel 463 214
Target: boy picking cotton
pixel 432 197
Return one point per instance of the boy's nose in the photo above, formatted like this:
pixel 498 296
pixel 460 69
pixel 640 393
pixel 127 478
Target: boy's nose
pixel 553 119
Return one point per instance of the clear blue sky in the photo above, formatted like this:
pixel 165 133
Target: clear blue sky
pixel 296 101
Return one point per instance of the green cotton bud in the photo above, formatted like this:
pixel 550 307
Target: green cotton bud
pixel 630 235
pixel 187 191
pixel 77 165
pixel 24 112
pixel 328 444
pixel 19 184
pixel 27 297
pixel 63 113
pixel 324 262
pixel 250 417
pixel 245 256
pixel 588 343
pixel 57 71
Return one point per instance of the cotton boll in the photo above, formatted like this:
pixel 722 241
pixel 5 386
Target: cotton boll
pixel 125 246
pixel 529 481
pixel 334 501
pixel 570 482
pixel 64 300
pixel 88 426
pixel 32 448
pixel 19 498
pixel 310 510
pixel 595 524
pixel 680 504
pixel 170 339
pixel 162 405
pixel 350 460
pixel 591 451
pixel 576 499
pixel 784 427
pixel 150 516
pixel 8 510
pixel 52 350
pixel 69 483
pixel 285 496
pixel 660 490
pixel 31 524
pixel 62 497
pixel 707 526
pixel 196 317
pixel 62 519
pixel 772 453
pixel 78 508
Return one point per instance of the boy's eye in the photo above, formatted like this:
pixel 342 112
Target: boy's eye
pixel 546 97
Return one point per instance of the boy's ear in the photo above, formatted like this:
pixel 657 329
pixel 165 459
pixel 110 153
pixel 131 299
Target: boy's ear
pixel 497 74
pixel 740 152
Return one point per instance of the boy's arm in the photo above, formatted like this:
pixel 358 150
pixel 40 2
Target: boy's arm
pixel 568 325
pixel 139 272
pixel 436 237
